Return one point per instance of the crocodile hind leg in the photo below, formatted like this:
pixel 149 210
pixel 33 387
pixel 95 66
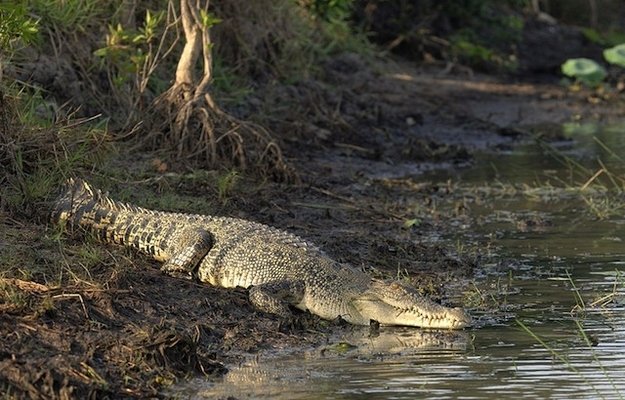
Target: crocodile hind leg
pixel 275 297
pixel 194 245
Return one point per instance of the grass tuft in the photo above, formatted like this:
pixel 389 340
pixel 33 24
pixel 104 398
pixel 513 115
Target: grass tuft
pixel 35 159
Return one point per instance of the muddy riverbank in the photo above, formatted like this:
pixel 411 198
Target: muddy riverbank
pixel 359 140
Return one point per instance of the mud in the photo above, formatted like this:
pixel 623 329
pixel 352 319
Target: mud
pixel 360 140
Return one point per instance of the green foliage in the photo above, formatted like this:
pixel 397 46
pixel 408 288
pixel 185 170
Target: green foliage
pixel 226 184
pixel 613 38
pixel 604 39
pixel 615 55
pixel 208 20
pixel 332 20
pixel 128 50
pixel 491 17
pixel 230 86
pixel 34 109
pixel 480 55
pixel 593 36
pixel 38 153
pixel 35 172
pixel 330 10
pixel 66 14
pixel 469 51
pixel 412 222
pixel 487 32
pixel 584 70
pixel 15 24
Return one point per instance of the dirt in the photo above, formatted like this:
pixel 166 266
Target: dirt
pixel 360 140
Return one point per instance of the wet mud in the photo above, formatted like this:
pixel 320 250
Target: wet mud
pixel 360 140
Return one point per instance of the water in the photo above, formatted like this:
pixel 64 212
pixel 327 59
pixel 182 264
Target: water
pixel 564 283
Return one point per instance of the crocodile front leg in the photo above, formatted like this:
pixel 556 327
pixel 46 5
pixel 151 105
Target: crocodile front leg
pixel 275 297
pixel 193 245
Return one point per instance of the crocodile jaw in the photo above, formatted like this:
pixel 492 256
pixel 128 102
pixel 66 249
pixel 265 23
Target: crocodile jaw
pixel 396 304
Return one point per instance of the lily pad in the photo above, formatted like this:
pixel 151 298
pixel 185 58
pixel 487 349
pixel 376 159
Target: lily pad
pixel 584 70
pixel 615 55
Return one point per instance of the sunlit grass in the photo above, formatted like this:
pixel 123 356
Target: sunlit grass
pixel 600 188
pixel 492 297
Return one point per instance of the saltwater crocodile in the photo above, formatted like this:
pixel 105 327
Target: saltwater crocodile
pixel 279 268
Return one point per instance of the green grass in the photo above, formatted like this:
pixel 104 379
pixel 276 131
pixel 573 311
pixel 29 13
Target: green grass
pixel 67 14
pixel 41 154
pixel 489 297
pixel 9 295
pixel 562 358
pixel 226 184
pixel 578 311
pixel 599 189
pixel 43 149
pixel 197 191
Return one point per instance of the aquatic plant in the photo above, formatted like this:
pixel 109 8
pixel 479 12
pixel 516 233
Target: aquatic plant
pixel 584 70
pixel 591 73
pixel 615 55
pixel 588 341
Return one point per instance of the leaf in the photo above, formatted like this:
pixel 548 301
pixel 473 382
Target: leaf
pixel 139 39
pixel 584 70
pixel 615 55
pixel 409 223
pixel 101 52
pixel 208 20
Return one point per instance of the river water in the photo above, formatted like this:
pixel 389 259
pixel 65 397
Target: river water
pixel 549 305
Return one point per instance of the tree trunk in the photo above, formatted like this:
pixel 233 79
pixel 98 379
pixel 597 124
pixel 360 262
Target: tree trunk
pixel 194 126
pixel 192 47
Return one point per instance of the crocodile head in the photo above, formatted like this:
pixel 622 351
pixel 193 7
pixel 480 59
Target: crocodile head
pixel 396 304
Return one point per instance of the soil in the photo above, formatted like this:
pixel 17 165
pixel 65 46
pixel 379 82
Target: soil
pixel 360 140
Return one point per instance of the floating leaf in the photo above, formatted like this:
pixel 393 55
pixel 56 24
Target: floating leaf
pixel 615 55
pixel 584 70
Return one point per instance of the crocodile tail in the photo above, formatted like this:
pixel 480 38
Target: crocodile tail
pixel 76 197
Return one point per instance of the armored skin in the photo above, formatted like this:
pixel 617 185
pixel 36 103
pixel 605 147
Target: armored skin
pixel 279 269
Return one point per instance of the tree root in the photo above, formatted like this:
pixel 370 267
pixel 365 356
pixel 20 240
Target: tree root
pixel 196 130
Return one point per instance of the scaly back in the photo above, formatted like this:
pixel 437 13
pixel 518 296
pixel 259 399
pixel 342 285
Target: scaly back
pixel 78 198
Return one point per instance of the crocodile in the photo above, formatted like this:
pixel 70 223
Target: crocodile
pixel 279 268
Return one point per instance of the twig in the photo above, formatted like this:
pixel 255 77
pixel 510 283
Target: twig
pixel 356 206
pixel 70 295
pixel 592 178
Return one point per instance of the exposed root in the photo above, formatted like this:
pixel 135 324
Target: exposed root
pixel 190 124
pixel 198 131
